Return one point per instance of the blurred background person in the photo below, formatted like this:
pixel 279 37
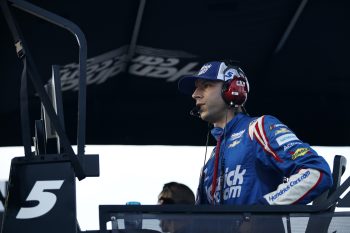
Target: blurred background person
pixel 176 193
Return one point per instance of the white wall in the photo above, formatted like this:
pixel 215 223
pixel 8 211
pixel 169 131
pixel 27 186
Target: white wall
pixel 137 173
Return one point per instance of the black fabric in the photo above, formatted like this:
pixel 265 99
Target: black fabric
pixel 309 73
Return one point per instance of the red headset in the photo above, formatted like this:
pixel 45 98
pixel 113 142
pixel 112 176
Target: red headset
pixel 236 87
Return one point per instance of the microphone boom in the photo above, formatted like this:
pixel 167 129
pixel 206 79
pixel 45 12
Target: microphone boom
pixel 195 112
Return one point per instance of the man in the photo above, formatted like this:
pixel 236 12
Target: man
pixel 257 160
pixel 176 193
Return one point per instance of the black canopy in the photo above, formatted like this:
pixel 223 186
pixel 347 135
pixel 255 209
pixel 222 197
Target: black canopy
pixel 295 54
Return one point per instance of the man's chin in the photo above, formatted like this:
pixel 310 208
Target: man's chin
pixel 204 117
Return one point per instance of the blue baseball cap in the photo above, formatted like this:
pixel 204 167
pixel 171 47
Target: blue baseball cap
pixel 215 71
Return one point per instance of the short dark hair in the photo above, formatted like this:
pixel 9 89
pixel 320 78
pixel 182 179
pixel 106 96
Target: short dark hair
pixel 176 193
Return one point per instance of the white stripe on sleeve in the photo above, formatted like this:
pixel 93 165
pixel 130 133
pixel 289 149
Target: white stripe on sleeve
pixel 298 186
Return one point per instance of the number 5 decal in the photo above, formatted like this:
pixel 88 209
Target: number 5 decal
pixel 47 200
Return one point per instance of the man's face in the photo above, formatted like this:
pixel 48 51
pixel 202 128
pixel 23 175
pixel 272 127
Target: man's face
pixel 208 98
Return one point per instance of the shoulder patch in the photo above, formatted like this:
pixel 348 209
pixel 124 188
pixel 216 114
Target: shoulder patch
pixel 283 139
pixel 282 130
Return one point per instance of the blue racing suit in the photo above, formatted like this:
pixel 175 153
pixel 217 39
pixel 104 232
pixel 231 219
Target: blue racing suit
pixel 261 161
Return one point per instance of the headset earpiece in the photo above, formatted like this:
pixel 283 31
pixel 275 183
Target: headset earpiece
pixel 235 90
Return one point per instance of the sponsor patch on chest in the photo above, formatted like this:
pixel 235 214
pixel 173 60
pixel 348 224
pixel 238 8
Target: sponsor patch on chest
pixel 234 143
pixel 237 135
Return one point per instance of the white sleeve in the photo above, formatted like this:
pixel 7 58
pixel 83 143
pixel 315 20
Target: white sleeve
pixel 297 187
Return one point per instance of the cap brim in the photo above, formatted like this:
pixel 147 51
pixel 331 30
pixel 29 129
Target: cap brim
pixel 186 84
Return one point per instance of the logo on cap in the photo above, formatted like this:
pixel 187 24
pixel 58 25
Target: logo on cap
pixel 204 69
pixel 229 74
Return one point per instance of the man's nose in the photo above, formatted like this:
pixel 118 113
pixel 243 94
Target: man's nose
pixel 196 94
